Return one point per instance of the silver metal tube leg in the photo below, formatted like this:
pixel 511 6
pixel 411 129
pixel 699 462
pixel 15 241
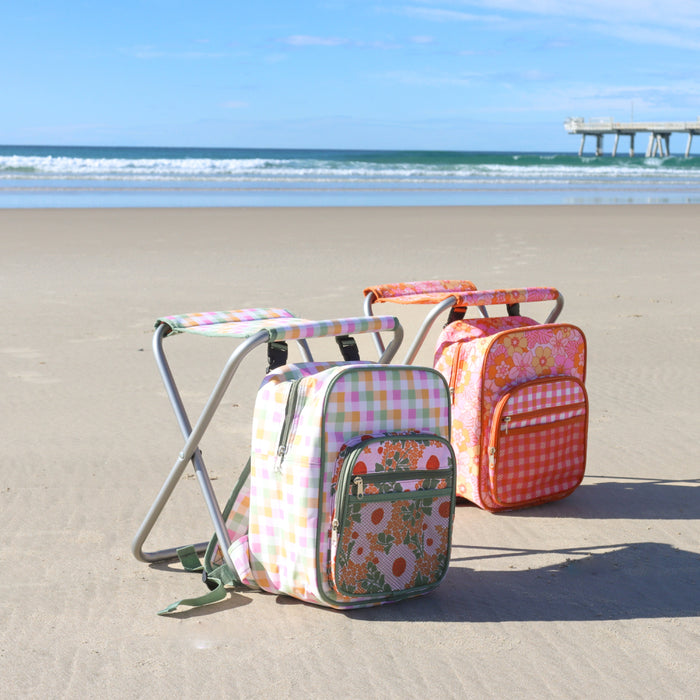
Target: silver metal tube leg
pixel 378 342
pixel 425 327
pixel 190 451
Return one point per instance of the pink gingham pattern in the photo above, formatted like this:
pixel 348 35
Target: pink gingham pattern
pixel 186 322
pixel 532 403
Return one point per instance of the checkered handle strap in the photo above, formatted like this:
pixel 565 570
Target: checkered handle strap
pixel 426 292
pixel 300 328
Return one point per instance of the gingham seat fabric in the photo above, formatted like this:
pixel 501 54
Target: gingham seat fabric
pixel 279 323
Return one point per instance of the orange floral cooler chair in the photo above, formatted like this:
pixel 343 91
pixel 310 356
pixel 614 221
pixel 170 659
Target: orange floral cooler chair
pixel 519 403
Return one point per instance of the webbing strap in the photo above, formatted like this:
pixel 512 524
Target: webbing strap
pixel 216 581
pixel 218 578
pixel 277 352
pixel 456 314
pixel 189 559
pixel 348 348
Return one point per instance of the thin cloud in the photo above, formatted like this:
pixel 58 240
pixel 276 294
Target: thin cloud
pixel 306 40
pixel 672 13
pixel 151 52
pixel 442 15
pixel 425 80
pixel 650 35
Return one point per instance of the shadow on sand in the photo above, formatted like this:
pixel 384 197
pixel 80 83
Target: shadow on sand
pixel 624 498
pixel 609 582
pixel 643 580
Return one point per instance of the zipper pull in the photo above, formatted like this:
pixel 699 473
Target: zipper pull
pixel 360 486
pixel 281 451
pixel 334 532
pixel 507 420
pixel 492 457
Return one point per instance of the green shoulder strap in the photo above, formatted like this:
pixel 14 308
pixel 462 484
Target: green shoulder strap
pixel 220 578
pixel 216 578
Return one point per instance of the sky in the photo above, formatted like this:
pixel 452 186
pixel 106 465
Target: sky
pixel 361 74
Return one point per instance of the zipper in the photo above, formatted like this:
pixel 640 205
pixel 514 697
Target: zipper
pixel 289 411
pixel 400 495
pixel 529 415
pixel 344 493
pixel 502 424
pixel 498 416
pixel 455 370
pixel 528 429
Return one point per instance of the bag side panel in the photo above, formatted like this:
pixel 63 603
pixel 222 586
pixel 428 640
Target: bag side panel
pixel 284 493
pixel 459 356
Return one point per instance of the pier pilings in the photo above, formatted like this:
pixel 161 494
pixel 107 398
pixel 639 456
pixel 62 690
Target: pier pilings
pixel 659 134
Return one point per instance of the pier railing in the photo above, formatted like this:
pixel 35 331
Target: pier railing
pixel 659 133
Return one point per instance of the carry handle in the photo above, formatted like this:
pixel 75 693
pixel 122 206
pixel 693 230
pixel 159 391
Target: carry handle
pixel 424 292
pixel 512 298
pixel 454 295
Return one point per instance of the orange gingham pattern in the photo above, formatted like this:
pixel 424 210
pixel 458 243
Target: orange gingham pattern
pixel 540 463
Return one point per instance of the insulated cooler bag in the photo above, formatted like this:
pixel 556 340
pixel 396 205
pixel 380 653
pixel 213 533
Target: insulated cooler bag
pixel 519 409
pixel 349 497
pixel 519 405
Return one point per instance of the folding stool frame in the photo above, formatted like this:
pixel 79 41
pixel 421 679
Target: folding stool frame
pixel 256 327
pixel 451 294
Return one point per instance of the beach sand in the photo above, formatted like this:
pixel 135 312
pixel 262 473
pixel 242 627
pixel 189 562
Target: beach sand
pixel 595 595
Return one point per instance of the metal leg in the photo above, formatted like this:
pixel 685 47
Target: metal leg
pixel 554 313
pixel 190 451
pixel 305 351
pixel 425 327
pixel 378 342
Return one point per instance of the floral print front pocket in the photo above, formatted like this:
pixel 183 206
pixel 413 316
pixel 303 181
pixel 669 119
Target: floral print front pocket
pixel 392 524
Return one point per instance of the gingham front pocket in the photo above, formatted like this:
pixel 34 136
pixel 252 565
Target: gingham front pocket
pixel 394 505
pixel 537 450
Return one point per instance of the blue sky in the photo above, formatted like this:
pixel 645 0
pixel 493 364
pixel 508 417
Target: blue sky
pixel 414 74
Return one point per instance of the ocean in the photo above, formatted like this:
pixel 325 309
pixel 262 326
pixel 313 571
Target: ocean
pixel 91 176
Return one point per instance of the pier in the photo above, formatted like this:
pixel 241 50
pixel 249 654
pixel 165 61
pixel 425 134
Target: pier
pixel 659 134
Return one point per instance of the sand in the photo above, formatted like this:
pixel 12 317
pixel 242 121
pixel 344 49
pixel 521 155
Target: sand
pixel 596 595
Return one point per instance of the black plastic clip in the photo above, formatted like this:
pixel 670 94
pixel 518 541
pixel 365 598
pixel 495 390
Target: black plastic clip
pixel 277 352
pixel 513 309
pixel 348 348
